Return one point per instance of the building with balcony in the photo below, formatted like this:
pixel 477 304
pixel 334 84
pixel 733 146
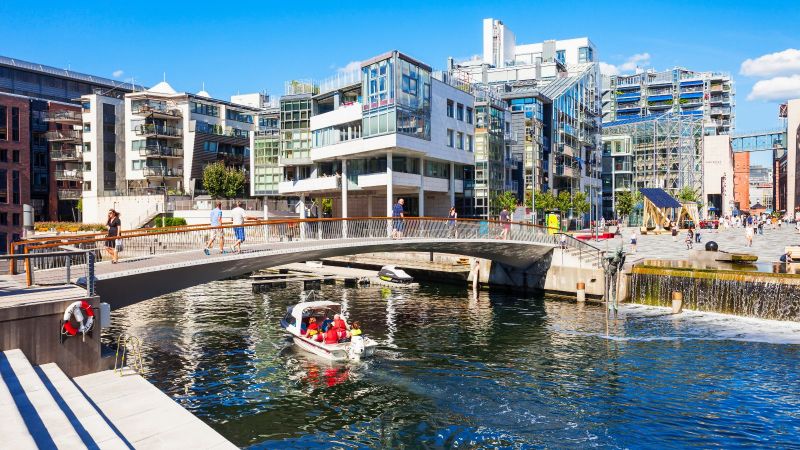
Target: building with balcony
pixel 652 152
pixel 103 149
pixel 710 95
pixel 14 165
pixel 65 141
pixel 389 130
pixel 171 136
pixel 553 91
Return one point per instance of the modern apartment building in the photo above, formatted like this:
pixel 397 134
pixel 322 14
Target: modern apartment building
pixel 171 136
pixel 389 130
pixel 15 164
pixel 652 152
pixel 65 138
pixel 554 87
pixel 710 95
pixel 103 148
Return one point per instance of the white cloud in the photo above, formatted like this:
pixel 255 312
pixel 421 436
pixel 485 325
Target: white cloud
pixel 632 64
pixel 776 89
pixel 118 73
pixel 786 62
pixel 352 66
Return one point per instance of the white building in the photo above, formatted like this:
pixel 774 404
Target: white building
pixel 717 175
pixel 392 130
pixel 103 145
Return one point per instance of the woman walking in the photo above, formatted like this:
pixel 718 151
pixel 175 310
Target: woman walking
pixel 748 235
pixel 114 228
pixel 451 223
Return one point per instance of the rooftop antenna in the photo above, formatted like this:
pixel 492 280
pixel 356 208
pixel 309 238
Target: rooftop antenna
pixel 204 86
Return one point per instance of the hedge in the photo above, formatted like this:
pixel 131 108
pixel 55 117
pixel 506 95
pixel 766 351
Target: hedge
pixel 169 221
pixel 72 227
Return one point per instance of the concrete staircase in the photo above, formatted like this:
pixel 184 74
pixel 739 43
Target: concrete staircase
pixel 40 407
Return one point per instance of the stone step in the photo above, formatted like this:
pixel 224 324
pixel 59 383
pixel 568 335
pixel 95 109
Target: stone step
pixel 12 423
pixel 87 419
pixel 45 421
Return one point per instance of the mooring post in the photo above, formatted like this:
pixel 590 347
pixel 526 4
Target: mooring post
pixel 581 291
pixel 677 302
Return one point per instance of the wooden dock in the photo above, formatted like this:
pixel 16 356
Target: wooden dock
pixel 313 277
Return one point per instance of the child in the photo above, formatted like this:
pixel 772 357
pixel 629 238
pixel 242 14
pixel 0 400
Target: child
pixel 355 329
pixel 633 240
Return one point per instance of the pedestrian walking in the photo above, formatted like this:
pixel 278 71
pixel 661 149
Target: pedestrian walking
pixel 239 215
pixel 633 240
pixel 505 220
pixel 674 232
pixel 216 232
pixel 114 228
pixel 398 213
pixel 451 222
pixel 690 238
pixel 748 235
pixel 563 241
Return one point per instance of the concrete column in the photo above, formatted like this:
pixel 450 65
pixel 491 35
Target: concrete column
pixel 451 193
pixel 389 192
pixel 369 206
pixel 303 216
pixel 344 197
pixel 422 187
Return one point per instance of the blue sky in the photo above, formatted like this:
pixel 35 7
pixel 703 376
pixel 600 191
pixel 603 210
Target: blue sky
pixel 248 46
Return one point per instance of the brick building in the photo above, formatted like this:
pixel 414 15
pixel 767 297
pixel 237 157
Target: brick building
pixel 741 180
pixel 15 165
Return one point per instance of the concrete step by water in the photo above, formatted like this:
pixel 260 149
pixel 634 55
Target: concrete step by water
pixel 12 423
pixel 94 428
pixel 44 420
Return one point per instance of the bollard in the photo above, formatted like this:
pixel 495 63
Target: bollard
pixel 677 302
pixel 581 292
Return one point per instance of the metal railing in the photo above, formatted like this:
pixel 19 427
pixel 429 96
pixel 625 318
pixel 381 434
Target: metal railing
pixel 585 252
pixel 149 129
pixel 162 172
pixel 150 242
pixel 64 136
pixel 71 263
pixel 63 116
pixel 160 151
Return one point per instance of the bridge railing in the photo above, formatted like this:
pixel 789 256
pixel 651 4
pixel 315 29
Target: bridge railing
pixel 261 235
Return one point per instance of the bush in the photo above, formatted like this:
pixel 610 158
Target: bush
pixel 169 222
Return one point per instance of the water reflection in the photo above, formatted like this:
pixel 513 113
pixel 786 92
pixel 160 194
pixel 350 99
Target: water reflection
pixel 457 370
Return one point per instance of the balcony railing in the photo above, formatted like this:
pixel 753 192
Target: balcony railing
pixel 149 129
pixel 69 175
pixel 64 136
pixel 63 116
pixel 65 155
pixel 162 172
pixel 69 194
pixel 160 151
pixel 156 109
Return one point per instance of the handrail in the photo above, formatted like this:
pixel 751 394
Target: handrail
pixel 136 348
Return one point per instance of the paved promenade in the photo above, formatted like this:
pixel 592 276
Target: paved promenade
pixel 768 247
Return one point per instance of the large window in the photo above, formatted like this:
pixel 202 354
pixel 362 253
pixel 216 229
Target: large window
pixel 460 140
pixel 3 123
pixel 204 109
pixel 585 55
pixel 450 138
pixel 449 108
pixel 469 114
pixel 15 187
pixel 560 56
pixel 238 116
pixel 15 124
pixel 460 112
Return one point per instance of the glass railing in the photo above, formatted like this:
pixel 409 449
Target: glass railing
pixel 63 116
pixel 162 172
pixel 160 130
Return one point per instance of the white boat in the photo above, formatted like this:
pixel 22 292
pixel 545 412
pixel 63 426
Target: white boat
pixel 356 348
pixel 394 275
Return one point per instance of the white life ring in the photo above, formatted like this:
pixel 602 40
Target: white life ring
pixel 77 310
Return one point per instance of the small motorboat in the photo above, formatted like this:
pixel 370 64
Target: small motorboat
pixel 296 319
pixel 394 275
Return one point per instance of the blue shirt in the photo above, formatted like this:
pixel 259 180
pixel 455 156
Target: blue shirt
pixel 397 210
pixel 216 217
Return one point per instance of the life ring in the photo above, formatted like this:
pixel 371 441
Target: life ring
pixel 77 310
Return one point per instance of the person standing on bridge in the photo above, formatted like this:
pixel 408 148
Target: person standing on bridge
pixel 451 223
pixel 114 228
pixel 216 232
pixel 397 219
pixel 505 219
pixel 239 215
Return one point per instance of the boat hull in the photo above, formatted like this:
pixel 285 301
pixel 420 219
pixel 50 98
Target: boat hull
pixel 336 352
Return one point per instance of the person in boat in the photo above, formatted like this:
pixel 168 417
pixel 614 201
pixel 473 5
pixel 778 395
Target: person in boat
pixel 332 335
pixel 355 329
pixel 341 326
pixel 326 324
pixel 312 328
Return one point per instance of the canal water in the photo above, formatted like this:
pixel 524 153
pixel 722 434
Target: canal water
pixel 453 371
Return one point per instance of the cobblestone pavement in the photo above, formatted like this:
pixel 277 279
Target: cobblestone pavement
pixel 768 247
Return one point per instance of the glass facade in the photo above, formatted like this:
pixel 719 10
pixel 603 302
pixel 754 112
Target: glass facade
pixel 266 171
pixel 489 176
pixel 295 123
pixel 397 98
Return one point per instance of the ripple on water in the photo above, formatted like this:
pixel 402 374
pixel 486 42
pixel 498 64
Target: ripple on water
pixel 452 371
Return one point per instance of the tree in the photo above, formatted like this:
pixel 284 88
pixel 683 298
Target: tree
pixel 625 201
pixel 580 204
pixel 223 182
pixel 544 201
pixel 505 200
pixel 563 202
pixel 687 194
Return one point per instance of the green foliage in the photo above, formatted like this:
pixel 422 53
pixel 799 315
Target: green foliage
pixel 327 205
pixel 223 182
pixel 625 201
pixel 563 202
pixel 169 222
pixel 506 200
pixel 580 203
pixel 79 206
pixel 687 194
pixel 544 201
pixel 68 226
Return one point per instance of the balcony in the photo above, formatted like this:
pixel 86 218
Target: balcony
pixel 69 175
pixel 70 155
pixel 162 172
pixel 158 131
pixel 74 136
pixel 720 99
pixel 158 110
pixel 69 194
pixel 623 167
pixel 70 117
pixel 157 151
pixel 720 111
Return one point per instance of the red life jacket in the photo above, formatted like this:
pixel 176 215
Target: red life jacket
pixel 331 336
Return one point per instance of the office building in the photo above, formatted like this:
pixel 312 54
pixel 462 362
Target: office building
pixel 389 130
pixel 771 145
pixel 709 95
pixel 761 189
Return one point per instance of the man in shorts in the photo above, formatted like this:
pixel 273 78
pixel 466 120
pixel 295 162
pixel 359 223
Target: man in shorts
pixel 239 215
pixel 397 219
pixel 216 232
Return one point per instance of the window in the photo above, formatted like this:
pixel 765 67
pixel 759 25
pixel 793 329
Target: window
pixel 460 112
pixel 87 185
pixel 15 124
pixel 3 242
pixel 469 143
pixel 460 141
pixel 469 114
pixel 3 120
pixel 3 155
pixel 585 55
pixel 87 166
pixel 87 147
pixel 3 186
pixel 15 189
pixel 449 108
pixel 206 110
pixel 4 218
pixel 137 164
pixel 560 56
pixel 15 219
pixel 15 156
pixel 449 138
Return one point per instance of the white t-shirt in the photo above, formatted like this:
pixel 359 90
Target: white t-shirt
pixel 238 215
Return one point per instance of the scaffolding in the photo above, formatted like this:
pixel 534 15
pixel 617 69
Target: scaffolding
pixel 663 151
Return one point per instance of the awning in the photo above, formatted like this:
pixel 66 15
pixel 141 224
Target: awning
pixel 692 83
pixel 658 98
pixel 691 95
